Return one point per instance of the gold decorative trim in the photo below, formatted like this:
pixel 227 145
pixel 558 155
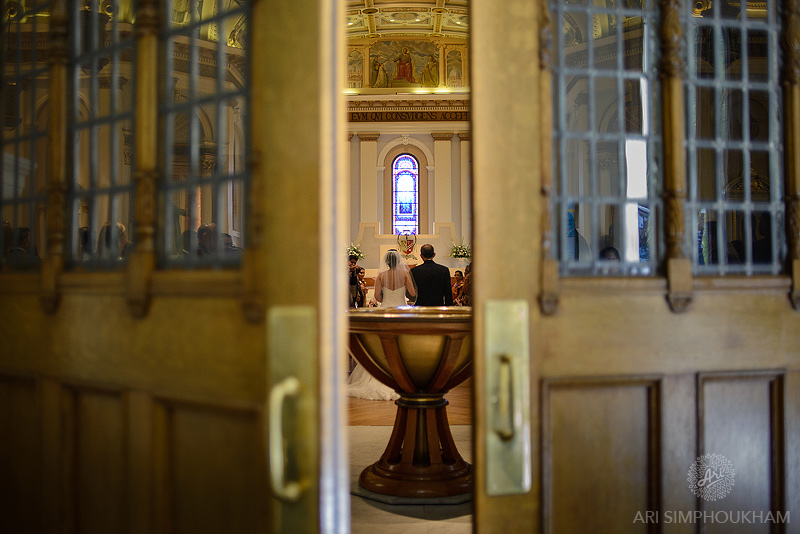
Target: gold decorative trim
pixel 671 36
pixel 368 136
pixel 58 47
pixel 549 297
pixel 56 213
pixel 410 104
pixel 678 267
pixel 464 136
pixel 147 18
pixel 442 136
pixel 793 224
pixel 791 41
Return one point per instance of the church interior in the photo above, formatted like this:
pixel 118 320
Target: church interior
pixel 184 180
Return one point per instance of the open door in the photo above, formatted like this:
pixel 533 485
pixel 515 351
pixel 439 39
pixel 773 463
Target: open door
pixel 595 396
pixel 143 398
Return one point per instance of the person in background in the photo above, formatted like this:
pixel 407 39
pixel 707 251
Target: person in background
pixel 112 241
pixel 207 239
pixel 362 285
pixel 459 276
pixel 465 299
pixel 609 253
pixel 355 290
pixel 22 257
pixel 85 243
pixel 186 242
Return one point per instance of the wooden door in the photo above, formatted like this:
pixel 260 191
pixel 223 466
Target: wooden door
pixel 187 400
pixel 624 393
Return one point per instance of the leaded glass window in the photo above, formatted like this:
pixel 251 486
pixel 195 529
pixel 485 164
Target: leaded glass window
pixel 101 125
pixel 204 109
pixel 606 139
pixel 405 195
pixel 733 137
pixel 24 86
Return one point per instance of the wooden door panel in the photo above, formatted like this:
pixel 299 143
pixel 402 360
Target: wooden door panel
pixel 94 460
pixel 600 454
pixel 214 468
pixel 738 415
pixel 19 453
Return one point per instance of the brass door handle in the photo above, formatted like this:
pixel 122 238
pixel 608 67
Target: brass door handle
pixel 504 421
pixel 286 491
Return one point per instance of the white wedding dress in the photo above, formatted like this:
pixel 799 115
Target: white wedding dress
pixel 363 385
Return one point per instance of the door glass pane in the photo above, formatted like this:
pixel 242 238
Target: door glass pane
pixel 103 52
pixel 23 89
pixel 733 137
pixel 205 97
pixel 606 102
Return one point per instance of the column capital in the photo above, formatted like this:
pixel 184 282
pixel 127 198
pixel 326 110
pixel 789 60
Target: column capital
pixel 465 136
pixel 442 136
pixel 369 136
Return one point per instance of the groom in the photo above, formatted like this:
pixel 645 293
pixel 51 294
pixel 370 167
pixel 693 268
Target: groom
pixel 432 280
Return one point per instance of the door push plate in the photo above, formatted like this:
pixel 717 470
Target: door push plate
pixel 508 445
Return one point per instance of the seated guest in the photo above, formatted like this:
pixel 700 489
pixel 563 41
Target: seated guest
pixel 207 240
pixel 22 257
pixel 465 299
pixel 112 241
pixel 459 276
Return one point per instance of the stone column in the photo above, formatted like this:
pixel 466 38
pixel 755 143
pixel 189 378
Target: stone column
pixel 369 178
pixel 466 187
pixel 442 153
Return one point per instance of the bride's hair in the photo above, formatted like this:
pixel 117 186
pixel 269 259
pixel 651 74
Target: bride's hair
pixel 392 258
pixel 398 273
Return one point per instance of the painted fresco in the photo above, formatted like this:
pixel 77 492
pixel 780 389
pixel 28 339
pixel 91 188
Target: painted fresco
pixel 454 74
pixel 355 69
pixel 402 64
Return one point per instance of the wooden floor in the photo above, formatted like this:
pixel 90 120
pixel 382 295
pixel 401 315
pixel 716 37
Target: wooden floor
pixel 377 413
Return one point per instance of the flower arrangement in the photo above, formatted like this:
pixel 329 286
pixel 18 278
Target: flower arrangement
pixel 461 250
pixel 355 250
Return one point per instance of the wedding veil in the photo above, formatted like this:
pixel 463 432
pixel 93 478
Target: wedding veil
pixel 395 277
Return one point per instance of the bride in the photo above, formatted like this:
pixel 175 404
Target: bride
pixel 391 286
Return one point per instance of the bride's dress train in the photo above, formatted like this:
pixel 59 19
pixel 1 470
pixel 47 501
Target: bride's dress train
pixel 361 384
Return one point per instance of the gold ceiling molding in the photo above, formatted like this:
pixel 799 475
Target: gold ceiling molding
pixel 380 19
pixel 754 9
pixel 460 104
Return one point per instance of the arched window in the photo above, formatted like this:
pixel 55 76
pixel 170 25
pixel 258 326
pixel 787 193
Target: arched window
pixel 405 194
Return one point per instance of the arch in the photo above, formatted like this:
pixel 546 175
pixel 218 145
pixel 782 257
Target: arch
pixel 404 141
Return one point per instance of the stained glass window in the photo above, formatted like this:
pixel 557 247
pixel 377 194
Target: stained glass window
pixel 405 195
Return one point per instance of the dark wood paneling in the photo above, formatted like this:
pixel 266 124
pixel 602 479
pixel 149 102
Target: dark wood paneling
pixel 19 454
pixel 213 469
pixel 95 442
pixel 601 454
pixel 740 416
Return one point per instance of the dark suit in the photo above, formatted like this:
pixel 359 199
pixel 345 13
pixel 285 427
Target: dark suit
pixel 433 284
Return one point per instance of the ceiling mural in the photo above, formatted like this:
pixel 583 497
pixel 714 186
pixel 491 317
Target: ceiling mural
pixel 400 47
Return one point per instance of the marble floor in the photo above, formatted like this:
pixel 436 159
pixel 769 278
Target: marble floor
pixel 366 443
